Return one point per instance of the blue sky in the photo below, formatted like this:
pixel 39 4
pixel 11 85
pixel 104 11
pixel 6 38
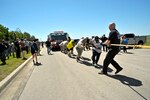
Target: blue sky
pixel 77 17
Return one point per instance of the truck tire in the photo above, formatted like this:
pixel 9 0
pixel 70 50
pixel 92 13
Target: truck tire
pixel 140 42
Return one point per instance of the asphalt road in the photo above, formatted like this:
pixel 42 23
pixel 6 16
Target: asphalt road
pixel 62 78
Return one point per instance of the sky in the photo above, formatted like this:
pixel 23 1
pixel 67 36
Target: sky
pixel 79 18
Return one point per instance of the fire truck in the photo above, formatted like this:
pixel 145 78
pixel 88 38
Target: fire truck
pixel 56 38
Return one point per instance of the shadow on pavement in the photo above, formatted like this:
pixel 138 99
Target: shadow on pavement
pixel 84 58
pixel 97 67
pixel 126 80
pixel 129 53
pixel 39 64
pixel 101 67
pixel 86 63
pixel 73 57
pixel 50 54
pixel 121 52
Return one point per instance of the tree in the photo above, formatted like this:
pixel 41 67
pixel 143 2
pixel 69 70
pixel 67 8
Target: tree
pixel 12 35
pixel 32 37
pixel 26 35
pixel 1 36
pixel 4 32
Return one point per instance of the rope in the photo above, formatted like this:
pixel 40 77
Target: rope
pixel 134 46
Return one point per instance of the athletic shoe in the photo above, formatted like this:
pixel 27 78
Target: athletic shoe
pixel 118 70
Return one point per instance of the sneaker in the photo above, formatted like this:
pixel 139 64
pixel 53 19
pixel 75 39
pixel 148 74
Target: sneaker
pixel 118 70
pixel 105 73
pixel 69 54
pixel 37 63
pixel 94 65
pixel 78 59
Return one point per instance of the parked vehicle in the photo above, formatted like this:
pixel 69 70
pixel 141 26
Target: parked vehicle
pixel 135 40
pixel 56 38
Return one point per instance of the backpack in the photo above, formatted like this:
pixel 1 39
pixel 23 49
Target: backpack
pixel 33 47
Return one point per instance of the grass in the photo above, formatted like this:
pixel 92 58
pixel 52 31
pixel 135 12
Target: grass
pixel 12 64
pixel 147 41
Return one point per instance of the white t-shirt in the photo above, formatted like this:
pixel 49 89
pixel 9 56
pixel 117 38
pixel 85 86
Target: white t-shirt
pixel 27 43
pixel 80 44
pixel 98 46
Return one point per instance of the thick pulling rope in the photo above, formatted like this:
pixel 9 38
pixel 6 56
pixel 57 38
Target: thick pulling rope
pixel 134 46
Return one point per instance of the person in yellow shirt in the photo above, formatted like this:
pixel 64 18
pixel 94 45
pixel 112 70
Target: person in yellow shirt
pixel 70 47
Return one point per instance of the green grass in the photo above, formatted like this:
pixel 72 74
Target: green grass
pixel 12 64
pixel 147 41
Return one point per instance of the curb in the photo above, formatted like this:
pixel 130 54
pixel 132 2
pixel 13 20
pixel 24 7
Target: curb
pixel 10 77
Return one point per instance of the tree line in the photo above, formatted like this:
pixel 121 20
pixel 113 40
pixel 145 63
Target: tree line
pixel 7 35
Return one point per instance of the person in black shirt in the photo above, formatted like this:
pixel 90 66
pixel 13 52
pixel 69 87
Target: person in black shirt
pixel 18 51
pixel 104 38
pixel 87 43
pixel 48 45
pixel 34 50
pixel 2 53
pixel 113 51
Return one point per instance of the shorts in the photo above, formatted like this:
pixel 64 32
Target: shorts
pixel 32 52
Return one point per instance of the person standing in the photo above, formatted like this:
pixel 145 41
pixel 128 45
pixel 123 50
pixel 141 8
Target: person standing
pixel 13 49
pixel 42 44
pixel 125 42
pixel 39 49
pixel 48 45
pixel 2 53
pixel 17 46
pixel 34 50
pixel 113 51
pixel 5 43
pixel 104 38
pixel 23 49
pixel 27 45
pixel 96 52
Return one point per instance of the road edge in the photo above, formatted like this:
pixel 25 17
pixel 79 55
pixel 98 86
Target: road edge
pixel 12 75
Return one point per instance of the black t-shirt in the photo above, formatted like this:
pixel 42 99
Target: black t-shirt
pixel 104 39
pixel 34 47
pixel 17 44
pixel 48 43
pixel 2 48
pixel 114 38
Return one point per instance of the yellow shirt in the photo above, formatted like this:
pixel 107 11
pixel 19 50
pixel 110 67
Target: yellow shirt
pixel 70 44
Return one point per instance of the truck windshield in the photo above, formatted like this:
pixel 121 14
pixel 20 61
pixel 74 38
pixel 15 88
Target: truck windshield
pixel 129 35
pixel 55 36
